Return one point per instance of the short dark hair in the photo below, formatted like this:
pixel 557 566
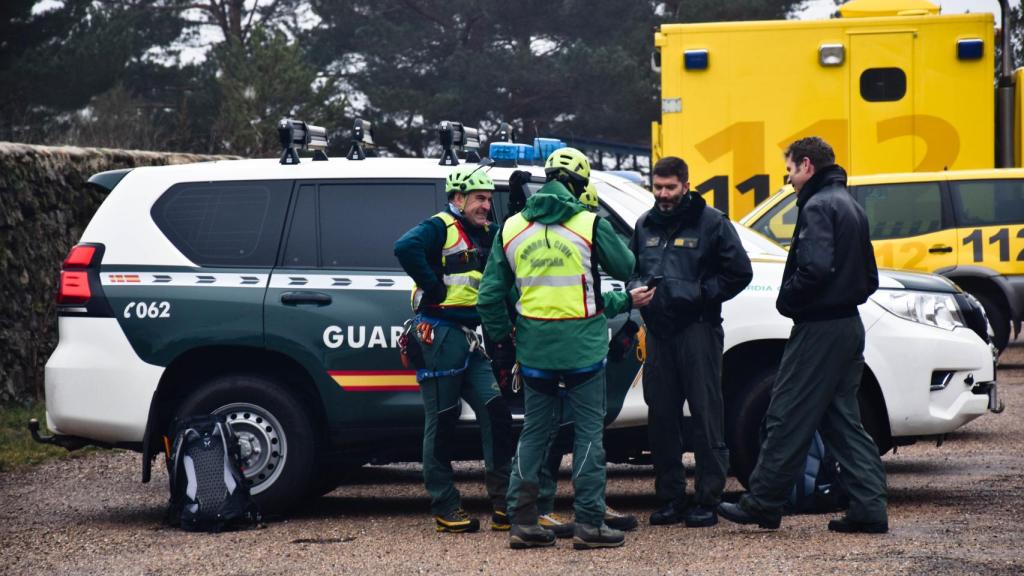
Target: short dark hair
pixel 672 166
pixel 814 149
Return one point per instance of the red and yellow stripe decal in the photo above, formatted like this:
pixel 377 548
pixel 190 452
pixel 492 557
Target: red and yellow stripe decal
pixel 124 278
pixel 376 380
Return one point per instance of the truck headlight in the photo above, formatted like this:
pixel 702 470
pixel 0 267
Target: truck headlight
pixel 932 308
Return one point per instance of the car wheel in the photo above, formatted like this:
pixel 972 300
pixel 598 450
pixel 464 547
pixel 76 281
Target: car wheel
pixel 275 432
pixel 998 319
pixel 743 424
pixel 743 418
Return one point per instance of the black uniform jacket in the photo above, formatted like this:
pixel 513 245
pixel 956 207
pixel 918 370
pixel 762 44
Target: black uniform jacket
pixel 697 250
pixel 831 268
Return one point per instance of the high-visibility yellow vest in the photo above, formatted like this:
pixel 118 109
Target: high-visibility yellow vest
pixel 461 270
pixel 554 269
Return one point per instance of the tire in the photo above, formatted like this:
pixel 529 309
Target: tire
pixel 743 417
pixel 274 427
pixel 743 422
pixel 998 319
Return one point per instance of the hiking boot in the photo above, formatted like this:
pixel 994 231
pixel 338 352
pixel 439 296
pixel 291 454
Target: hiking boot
pixel 736 513
pixel 700 517
pixel 554 523
pixel 670 514
pixel 456 522
pixel 499 521
pixel 530 536
pixel 587 537
pixel 848 526
pixel 618 520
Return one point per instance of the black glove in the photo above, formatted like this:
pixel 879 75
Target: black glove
pixel 622 341
pixel 434 295
pixel 503 359
pixel 517 190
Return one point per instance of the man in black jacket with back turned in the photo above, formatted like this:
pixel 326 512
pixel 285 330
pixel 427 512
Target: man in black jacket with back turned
pixel 696 251
pixel 830 270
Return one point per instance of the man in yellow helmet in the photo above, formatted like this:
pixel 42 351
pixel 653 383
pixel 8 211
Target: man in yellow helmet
pixel 551 252
pixel 445 256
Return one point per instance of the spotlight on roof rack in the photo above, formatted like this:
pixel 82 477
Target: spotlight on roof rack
pixel 506 133
pixel 362 134
pixel 457 138
pixel 295 134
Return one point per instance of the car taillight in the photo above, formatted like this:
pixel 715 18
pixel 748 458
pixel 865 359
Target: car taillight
pixel 74 287
pixel 79 257
pixel 74 278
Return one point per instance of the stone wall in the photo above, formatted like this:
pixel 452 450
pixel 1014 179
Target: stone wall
pixel 45 205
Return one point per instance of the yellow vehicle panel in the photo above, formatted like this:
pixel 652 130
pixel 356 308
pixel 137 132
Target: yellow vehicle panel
pixel 764 87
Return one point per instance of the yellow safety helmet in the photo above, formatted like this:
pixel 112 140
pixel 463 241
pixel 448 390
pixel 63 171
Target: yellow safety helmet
pixel 467 178
pixel 570 160
pixel 589 196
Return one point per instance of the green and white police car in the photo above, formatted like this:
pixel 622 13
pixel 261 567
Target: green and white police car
pixel 268 291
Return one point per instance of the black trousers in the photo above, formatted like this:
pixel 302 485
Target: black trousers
pixel 816 389
pixel 686 367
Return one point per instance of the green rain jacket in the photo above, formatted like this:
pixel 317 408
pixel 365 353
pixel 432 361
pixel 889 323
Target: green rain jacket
pixel 555 344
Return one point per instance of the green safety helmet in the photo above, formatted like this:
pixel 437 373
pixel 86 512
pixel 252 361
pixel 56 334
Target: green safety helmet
pixel 467 178
pixel 589 196
pixel 569 166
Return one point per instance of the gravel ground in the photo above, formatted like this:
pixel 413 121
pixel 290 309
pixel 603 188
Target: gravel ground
pixel 954 509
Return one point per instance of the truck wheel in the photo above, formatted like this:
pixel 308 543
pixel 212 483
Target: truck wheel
pixel 275 433
pixel 998 318
pixel 743 424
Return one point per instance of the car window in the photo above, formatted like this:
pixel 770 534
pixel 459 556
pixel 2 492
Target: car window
pixel 901 210
pixel 359 222
pixel 225 223
pixel 779 222
pixel 988 202
pixel 300 249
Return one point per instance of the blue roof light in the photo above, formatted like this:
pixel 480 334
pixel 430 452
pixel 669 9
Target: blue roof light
pixel 509 154
pixel 970 49
pixel 695 59
pixel 545 146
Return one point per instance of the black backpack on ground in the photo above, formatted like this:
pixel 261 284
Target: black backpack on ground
pixel 819 488
pixel 208 489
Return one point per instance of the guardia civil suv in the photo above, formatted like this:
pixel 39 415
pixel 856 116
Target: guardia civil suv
pixel 267 290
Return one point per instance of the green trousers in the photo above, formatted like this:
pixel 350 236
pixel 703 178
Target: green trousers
pixel 816 388
pixel 586 396
pixel 441 407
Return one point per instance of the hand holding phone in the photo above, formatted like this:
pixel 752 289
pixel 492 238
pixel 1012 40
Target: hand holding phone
pixel 653 281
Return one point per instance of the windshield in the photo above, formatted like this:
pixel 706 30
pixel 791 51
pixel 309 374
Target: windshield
pixel 629 201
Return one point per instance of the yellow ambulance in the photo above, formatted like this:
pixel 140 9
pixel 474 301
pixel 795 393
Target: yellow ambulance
pixel 892 85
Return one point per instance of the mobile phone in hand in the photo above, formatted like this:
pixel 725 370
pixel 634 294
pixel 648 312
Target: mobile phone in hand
pixel 653 281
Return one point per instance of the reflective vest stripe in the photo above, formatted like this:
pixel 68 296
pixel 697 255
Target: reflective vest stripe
pixel 460 280
pixel 514 243
pixel 573 280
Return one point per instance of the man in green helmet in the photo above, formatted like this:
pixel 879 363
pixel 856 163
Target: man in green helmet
pixel 445 255
pixel 551 252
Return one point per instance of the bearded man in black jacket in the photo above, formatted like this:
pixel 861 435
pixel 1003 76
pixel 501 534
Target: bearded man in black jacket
pixel 830 270
pixel 698 254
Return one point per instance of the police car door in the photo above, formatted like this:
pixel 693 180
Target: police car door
pixel 338 298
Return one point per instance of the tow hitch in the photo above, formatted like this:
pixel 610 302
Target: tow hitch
pixel 995 403
pixel 69 443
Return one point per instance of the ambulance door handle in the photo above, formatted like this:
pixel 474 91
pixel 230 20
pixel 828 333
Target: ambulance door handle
pixel 303 297
pixel 940 249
